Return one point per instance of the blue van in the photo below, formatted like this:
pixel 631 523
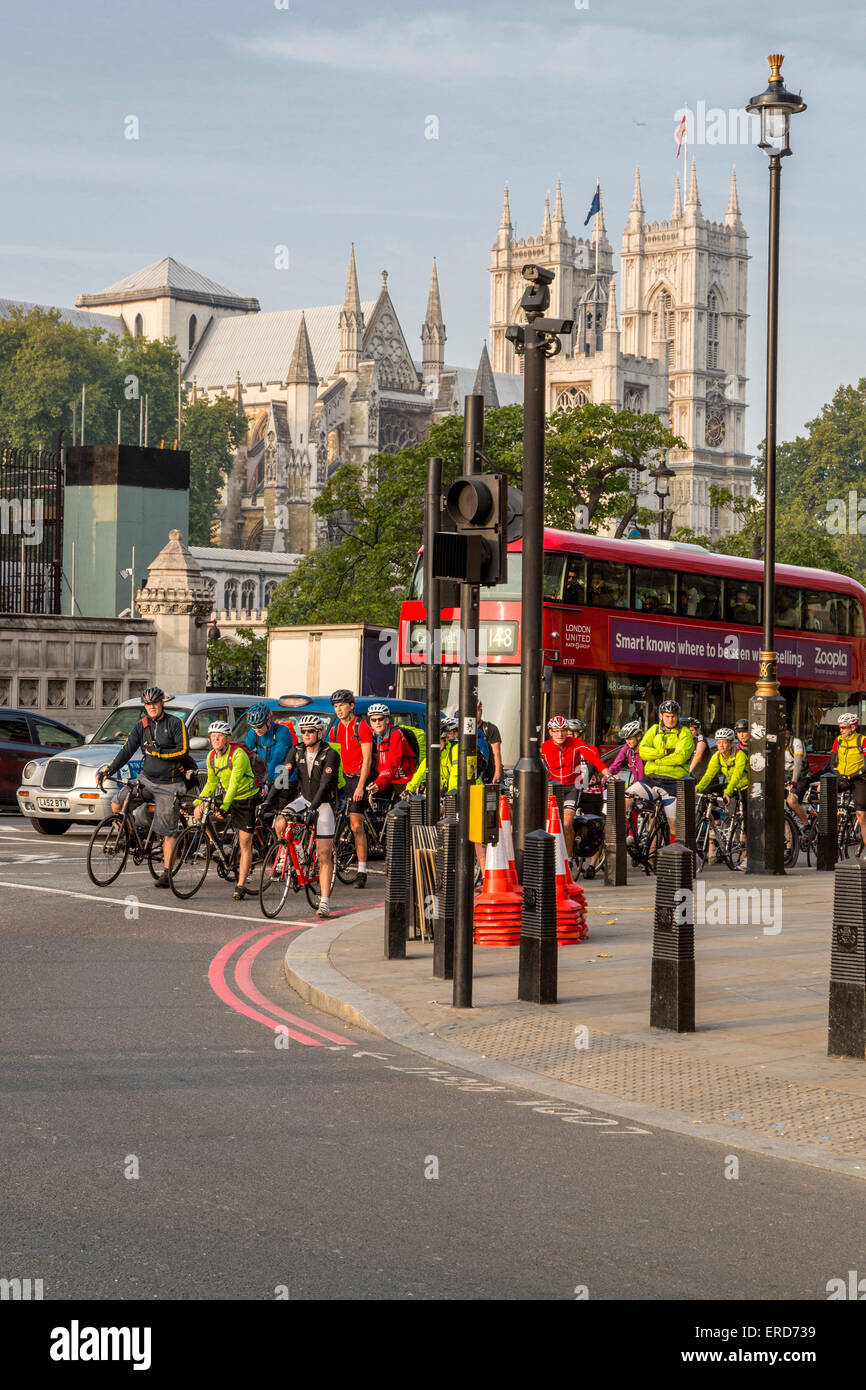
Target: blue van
pixel 289 708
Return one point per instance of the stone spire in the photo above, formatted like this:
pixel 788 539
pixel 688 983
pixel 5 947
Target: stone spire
pixel 732 216
pixel 302 369
pixel 693 199
pixel 636 217
pixel 506 230
pixel 485 383
pixel 351 321
pixel 433 333
pixel 558 214
pixel 545 230
pixel 610 323
pixel 678 202
pixel 599 231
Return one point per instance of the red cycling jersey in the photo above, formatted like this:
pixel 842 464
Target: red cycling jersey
pixel 395 761
pixel 563 760
pixel 350 737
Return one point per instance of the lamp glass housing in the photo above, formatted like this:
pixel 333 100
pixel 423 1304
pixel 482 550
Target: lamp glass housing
pixel 775 129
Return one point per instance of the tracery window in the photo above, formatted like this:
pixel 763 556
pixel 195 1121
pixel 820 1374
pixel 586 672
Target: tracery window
pixel 248 595
pixel 569 398
pixel 712 331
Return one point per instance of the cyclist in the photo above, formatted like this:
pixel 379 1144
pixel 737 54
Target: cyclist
pixel 395 760
pixel 848 761
pixel 490 732
pixel 628 758
pixel 229 767
pixel 353 739
pixel 701 755
pixel 317 766
pixel 741 728
pixel 419 776
pixel 268 740
pixel 727 772
pixel 798 776
pixel 666 749
pixel 162 738
pixel 564 755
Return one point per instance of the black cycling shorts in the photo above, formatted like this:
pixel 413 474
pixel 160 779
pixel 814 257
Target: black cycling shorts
pixel 355 807
pixel 803 783
pixel 241 815
pixel 857 786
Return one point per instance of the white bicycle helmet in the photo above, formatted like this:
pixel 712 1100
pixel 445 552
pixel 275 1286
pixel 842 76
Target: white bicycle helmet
pixel 557 722
pixel 379 709
pixel 310 721
pixel 849 719
pixel 219 726
pixel 724 733
pixel 629 730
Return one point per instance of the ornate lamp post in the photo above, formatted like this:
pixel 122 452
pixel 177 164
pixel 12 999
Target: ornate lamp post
pixel 766 845
pixel 662 476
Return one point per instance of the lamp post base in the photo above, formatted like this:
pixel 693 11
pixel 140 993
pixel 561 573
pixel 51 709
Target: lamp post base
pixel 765 831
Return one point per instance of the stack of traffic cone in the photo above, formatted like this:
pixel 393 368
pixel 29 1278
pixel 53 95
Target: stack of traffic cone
pixel 570 908
pixel 499 906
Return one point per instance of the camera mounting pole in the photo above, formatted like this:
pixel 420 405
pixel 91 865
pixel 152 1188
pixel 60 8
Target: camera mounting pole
pixel 535 342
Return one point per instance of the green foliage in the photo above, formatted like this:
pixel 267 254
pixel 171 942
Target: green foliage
pixel 43 365
pixel 237 660
pixel 362 574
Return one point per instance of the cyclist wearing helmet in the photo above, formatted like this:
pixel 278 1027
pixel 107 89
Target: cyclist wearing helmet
pixel 741 729
pixel 848 761
pixel 268 739
pixel 628 758
pixel 666 749
pixel 447 731
pixel 728 768
pixel 395 761
pixel 798 775
pixel 700 757
pixel 563 755
pixel 229 767
pixel 353 739
pixel 162 738
pixel 317 767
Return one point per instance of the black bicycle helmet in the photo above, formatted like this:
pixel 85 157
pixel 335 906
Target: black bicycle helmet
pixel 669 707
pixel 152 693
pixel 741 724
pixel 342 697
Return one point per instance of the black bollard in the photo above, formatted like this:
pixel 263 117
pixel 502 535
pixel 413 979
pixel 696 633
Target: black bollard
pixel 398 882
pixel 672 991
pixel 684 824
pixel 417 808
pixel 449 805
pixel 537 969
pixel 827 831
pixel 615 852
pixel 846 1034
pixel 446 901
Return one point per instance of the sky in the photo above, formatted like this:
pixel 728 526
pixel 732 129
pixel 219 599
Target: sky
pixel 307 124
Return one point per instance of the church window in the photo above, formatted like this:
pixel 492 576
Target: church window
pixel 192 328
pixel 139 326
pixel 269 590
pixel 633 400
pixel 210 585
pixel 396 435
pixel 230 599
pixel 571 397
pixel 248 595
pixel 712 332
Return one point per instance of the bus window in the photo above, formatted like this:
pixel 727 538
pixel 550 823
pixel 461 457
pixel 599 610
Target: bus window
pixel 653 591
pixel 741 692
pixel 554 566
pixel 628 697
pixel 700 596
pixel 608 584
pixel 856 621
pixel 560 695
pixel 416 583
pixel 575 580
pixel 825 612
pixel 819 717
pixel 586 705
pixel 514 578
pixel 787 607
pixel 742 601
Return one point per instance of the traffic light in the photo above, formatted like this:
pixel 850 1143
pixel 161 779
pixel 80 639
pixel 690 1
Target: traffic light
pixel 477 552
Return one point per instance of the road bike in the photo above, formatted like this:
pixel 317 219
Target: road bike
pixel 850 838
pixel 291 863
pixel 649 831
pixel 121 834
pixel 719 825
pixel 207 840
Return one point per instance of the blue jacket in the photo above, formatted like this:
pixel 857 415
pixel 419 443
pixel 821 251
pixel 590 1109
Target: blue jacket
pixel 273 746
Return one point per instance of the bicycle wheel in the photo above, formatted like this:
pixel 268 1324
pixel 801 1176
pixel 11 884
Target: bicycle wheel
pixel 108 851
pixel 190 861
pixel 792 841
pixel 278 877
pixel 659 836
pixel 345 857
pixel 312 887
pixel 155 861
pixel 702 842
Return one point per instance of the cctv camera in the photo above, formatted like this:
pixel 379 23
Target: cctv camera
pixel 538 275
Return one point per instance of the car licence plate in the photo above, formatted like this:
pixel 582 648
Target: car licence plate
pixel 52 803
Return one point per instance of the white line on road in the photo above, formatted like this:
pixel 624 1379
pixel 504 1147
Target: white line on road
pixel 158 907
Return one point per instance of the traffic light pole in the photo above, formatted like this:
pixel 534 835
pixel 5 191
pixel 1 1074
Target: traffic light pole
pixel 473 443
pixel 528 778
pixel 433 611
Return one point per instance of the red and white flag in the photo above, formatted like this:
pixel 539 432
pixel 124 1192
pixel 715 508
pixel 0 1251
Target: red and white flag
pixel 681 132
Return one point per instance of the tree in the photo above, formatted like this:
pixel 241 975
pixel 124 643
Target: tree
pixel 211 431
pixel 239 661
pixel 800 539
pixel 375 515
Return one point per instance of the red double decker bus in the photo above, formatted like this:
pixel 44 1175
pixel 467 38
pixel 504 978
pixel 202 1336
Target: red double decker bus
pixel 629 623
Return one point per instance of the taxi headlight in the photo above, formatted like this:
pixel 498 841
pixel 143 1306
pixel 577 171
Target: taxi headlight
pixel 29 771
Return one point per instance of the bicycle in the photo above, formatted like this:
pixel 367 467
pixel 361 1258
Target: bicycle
pixel 651 831
pixel 203 841
pixel 850 838
pixel 119 834
pixel 722 825
pixel 588 835
pixel 291 864
pixel 345 855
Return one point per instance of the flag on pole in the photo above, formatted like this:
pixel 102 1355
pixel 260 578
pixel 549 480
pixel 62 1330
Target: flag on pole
pixel 681 133
pixel 595 205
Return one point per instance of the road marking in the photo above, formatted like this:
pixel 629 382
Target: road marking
pixel 221 988
pixel 151 907
pixel 244 981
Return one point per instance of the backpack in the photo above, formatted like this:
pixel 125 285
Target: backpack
pixel 411 737
pixel 257 763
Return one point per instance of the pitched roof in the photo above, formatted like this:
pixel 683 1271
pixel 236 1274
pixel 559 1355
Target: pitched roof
pixel 169 278
pixel 260 346
pixel 80 318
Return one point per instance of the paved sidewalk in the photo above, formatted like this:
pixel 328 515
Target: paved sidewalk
pixel 755 1074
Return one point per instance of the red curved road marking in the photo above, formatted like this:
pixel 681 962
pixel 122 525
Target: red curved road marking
pixel 244 980
pixel 217 982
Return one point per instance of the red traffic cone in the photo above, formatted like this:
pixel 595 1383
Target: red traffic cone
pixel 567 918
pixel 498 908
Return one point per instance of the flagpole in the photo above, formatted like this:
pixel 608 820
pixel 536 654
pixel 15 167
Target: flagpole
pixel 597 215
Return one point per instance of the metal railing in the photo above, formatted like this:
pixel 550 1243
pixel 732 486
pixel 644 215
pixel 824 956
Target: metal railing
pixel 31 530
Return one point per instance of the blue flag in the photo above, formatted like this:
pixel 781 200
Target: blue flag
pixel 595 205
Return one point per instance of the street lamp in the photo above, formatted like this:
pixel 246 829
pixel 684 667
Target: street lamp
pixel 766 847
pixel 662 476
